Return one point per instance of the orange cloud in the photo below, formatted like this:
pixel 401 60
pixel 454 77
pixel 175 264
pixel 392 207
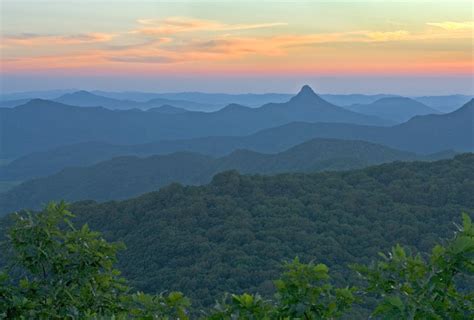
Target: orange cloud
pixel 214 48
pixel 389 36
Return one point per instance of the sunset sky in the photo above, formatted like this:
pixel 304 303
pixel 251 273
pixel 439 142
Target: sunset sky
pixel 407 47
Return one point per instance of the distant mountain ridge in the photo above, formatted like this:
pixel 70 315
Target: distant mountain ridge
pixel 215 101
pixel 128 176
pixel 88 99
pixel 168 109
pixel 41 124
pixel 398 109
pixel 445 103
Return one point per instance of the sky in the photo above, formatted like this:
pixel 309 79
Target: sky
pixel 402 47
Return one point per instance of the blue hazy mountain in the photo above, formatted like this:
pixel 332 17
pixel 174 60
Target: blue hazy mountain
pixel 183 104
pixel 248 99
pixel 28 95
pixel 128 176
pixel 306 105
pixel 350 99
pixel 449 133
pixel 12 103
pixel 447 103
pixel 88 99
pixel 167 109
pixel 215 101
pixel 42 124
pixel 398 109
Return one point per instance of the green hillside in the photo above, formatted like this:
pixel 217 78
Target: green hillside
pixel 232 234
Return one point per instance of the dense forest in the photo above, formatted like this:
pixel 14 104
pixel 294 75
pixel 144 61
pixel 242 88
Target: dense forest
pixel 59 271
pixel 233 234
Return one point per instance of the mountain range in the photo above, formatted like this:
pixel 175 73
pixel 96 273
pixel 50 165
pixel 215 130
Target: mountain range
pixel 128 176
pixel 422 134
pixel 42 124
pixel 390 108
pixel 214 101
pixel 88 99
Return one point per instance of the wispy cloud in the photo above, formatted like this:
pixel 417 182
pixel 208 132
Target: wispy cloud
pixel 32 39
pixel 388 36
pixel 452 25
pixel 180 43
pixel 175 25
pixel 143 59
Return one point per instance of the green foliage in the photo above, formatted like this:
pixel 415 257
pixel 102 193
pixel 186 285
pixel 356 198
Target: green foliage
pixel 304 292
pixel 411 287
pixel 233 234
pixel 148 307
pixel 68 273
pixel 244 306
pixel 7 300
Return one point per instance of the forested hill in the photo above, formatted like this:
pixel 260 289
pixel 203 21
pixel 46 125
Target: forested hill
pixel 124 177
pixel 232 234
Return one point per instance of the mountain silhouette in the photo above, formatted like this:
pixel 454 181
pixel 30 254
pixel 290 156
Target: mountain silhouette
pixel 40 125
pixel 422 134
pixel 307 105
pixel 306 95
pixel 87 99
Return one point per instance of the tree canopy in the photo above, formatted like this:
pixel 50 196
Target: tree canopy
pixel 68 273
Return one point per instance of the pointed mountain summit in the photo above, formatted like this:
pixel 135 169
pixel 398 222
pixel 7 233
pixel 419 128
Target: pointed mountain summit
pixel 306 90
pixel 308 106
pixel 307 95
